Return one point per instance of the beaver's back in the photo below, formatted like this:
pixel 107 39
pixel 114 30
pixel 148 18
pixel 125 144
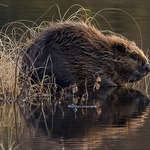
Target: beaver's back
pixel 67 50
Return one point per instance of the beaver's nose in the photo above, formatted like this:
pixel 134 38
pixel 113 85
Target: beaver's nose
pixel 147 67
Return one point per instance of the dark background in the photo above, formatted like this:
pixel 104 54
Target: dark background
pixel 121 23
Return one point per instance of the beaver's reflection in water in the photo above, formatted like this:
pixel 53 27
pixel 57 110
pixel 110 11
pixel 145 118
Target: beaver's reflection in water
pixel 108 113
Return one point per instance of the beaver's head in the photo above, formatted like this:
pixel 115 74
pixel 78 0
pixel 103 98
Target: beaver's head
pixel 128 61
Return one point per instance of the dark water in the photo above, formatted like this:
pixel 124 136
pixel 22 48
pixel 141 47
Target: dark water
pixel 119 119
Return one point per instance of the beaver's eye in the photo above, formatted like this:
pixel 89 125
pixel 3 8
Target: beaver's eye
pixel 134 56
pixel 120 47
pixel 143 63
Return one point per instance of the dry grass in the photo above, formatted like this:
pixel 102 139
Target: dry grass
pixel 15 37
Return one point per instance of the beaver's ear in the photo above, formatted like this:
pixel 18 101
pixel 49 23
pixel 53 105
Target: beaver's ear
pixel 120 47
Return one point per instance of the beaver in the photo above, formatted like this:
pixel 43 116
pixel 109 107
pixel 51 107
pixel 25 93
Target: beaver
pixel 74 51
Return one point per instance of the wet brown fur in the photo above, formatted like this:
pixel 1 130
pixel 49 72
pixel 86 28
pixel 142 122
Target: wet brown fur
pixel 79 51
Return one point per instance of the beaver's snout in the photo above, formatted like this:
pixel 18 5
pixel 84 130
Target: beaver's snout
pixel 140 73
pixel 144 70
pixel 147 67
